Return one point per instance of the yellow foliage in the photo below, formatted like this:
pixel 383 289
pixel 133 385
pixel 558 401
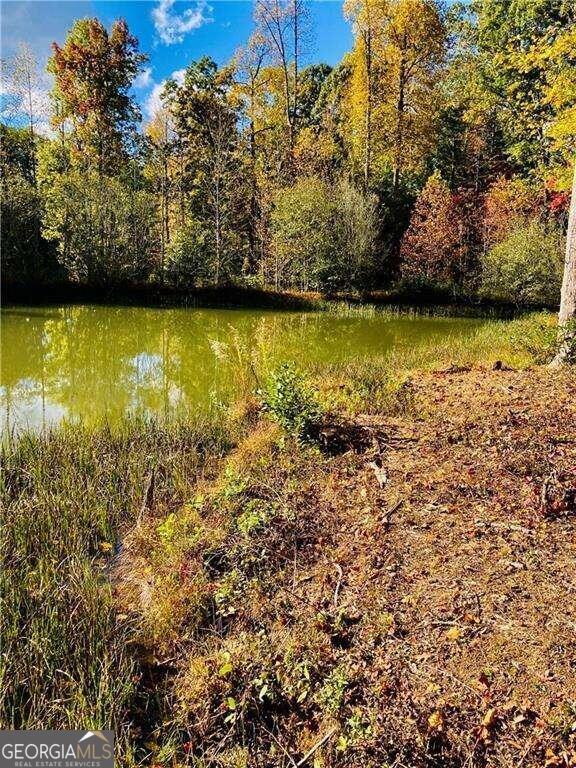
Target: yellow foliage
pixel 436 721
pixel 395 64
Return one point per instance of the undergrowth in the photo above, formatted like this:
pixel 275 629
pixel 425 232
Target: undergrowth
pixel 67 499
pixel 293 616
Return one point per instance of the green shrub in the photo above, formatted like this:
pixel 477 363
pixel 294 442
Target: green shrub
pixel 323 237
pixel 186 264
pixel 354 265
pixel 526 268
pixel 106 232
pixel 292 403
pixel 303 239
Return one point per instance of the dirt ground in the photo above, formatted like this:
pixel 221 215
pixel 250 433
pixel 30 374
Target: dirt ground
pixel 470 547
pixel 408 600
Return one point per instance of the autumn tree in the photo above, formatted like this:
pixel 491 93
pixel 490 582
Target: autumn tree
pixel 559 63
pixel 96 207
pixel 250 84
pixel 470 147
pixel 441 245
pixel 396 62
pixel 526 57
pixel 318 149
pixel 160 171
pixel 93 73
pixel 508 205
pixel 283 24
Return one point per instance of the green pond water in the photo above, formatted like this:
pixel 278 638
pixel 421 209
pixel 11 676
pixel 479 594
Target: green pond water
pixel 83 362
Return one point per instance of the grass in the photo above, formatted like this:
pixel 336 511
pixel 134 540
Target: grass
pixel 67 499
pixel 383 383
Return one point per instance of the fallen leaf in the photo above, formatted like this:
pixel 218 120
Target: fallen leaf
pixel 454 633
pixel 490 718
pixel 436 721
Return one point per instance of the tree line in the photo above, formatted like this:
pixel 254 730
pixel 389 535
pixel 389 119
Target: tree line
pixel 437 154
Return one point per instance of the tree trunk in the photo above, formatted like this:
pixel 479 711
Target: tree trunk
pixel 165 216
pixel 399 137
pixel 567 314
pixel 368 116
pixel 217 229
pixel 32 132
pixel 295 95
pixel 252 236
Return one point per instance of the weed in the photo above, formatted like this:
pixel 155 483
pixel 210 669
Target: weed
pixel 536 335
pixel 68 498
pixel 331 695
pixel 253 517
pixel 292 403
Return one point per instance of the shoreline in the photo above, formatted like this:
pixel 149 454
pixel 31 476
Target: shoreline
pixel 239 296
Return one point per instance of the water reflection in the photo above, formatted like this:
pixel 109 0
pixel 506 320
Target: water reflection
pixel 89 362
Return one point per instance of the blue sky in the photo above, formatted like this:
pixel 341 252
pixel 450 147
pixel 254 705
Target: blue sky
pixel 172 32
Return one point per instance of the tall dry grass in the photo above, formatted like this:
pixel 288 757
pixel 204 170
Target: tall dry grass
pixel 67 498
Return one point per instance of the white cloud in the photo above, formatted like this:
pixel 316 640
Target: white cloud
pixel 144 78
pixel 172 27
pixel 153 103
pixel 178 75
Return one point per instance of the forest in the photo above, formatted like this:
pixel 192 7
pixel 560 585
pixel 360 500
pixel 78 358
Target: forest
pixel 435 156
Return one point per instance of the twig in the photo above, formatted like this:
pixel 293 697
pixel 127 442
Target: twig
pixel 316 746
pixel 298 597
pixel 391 511
pixel 337 590
pixel 282 747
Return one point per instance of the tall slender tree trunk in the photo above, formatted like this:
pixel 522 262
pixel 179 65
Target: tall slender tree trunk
pixel 32 132
pixel 399 135
pixel 37 225
pixel 165 218
pixel 288 110
pixel 165 203
pixel 368 114
pixel 567 314
pixel 295 95
pixel 252 239
pixel 217 224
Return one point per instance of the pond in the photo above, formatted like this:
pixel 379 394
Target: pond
pixel 85 362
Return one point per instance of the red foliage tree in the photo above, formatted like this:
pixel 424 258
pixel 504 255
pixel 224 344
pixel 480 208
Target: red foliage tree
pixel 510 203
pixel 93 73
pixel 442 243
